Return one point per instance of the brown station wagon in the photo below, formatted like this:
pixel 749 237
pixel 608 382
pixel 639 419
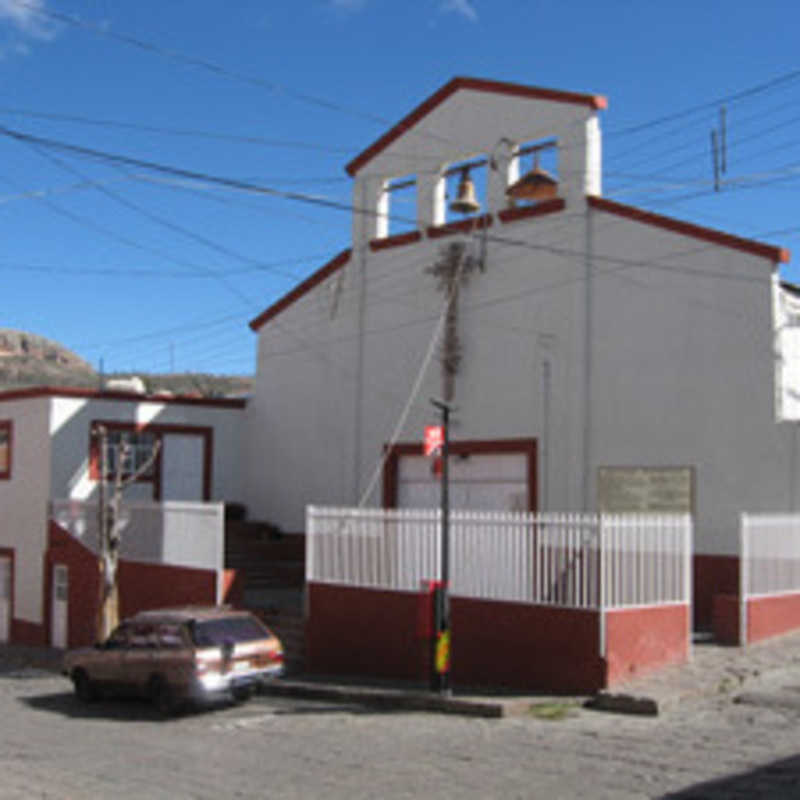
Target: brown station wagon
pixel 179 655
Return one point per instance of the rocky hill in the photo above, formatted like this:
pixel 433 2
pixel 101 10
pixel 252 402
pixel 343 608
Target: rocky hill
pixel 29 360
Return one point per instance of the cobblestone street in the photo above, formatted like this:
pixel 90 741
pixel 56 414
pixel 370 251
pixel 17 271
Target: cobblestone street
pixel 54 747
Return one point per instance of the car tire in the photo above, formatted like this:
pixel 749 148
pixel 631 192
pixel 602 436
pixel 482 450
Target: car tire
pixel 162 696
pixel 241 694
pixel 85 690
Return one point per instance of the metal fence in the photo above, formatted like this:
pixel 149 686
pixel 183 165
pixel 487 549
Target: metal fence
pixel 770 554
pixel 568 560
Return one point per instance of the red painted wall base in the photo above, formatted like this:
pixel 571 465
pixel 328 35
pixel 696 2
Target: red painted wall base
pixel 642 640
pixel 772 616
pixel 141 586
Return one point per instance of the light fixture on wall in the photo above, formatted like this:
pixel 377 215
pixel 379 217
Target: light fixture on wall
pixel 465 202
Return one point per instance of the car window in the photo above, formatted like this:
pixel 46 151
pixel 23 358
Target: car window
pixel 143 635
pixel 216 632
pixel 170 635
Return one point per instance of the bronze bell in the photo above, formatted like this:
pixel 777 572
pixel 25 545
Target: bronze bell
pixel 538 184
pixel 465 202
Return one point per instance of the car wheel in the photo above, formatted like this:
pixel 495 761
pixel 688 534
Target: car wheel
pixel 84 689
pixel 242 694
pixel 162 696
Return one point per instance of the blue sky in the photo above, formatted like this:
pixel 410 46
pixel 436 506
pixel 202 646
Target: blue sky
pixel 152 274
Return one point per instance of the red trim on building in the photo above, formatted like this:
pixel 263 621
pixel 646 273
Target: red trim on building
pixel 461 226
pixel 306 286
pixel 159 431
pixel 712 575
pixel 7 426
pixel 774 254
pixel 8 552
pixel 30 633
pixel 593 101
pixel 527 447
pixel 526 212
pixel 395 241
pixel 95 394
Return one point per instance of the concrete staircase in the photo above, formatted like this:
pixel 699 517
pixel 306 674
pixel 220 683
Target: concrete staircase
pixel 272 565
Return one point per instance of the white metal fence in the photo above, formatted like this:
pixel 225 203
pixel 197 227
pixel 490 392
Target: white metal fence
pixel 770 554
pixel 572 560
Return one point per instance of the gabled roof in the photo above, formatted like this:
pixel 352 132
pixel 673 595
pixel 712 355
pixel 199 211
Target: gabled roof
pixel 476 84
pixel 302 288
pixel 775 254
pixel 96 394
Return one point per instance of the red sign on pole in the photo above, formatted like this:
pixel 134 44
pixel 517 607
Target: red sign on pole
pixel 434 440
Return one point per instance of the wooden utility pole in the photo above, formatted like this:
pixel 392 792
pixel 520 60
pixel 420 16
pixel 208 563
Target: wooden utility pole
pixel 108 514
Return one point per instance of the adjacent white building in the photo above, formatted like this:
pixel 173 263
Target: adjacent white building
pixel 49 453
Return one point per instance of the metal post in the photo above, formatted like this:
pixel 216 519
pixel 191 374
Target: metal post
pixel 440 675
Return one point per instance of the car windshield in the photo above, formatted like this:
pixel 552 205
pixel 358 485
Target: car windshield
pixel 216 632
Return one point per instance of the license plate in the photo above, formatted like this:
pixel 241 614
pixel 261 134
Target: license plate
pixel 241 666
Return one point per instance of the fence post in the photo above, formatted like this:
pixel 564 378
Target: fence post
pixel 688 564
pixel 744 576
pixel 601 582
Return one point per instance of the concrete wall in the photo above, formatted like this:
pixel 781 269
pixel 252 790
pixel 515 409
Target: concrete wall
pixel 23 506
pixel 682 375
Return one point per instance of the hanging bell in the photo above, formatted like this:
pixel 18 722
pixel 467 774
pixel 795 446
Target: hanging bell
pixel 538 184
pixel 465 202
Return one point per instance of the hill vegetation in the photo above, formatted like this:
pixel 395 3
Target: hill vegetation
pixel 28 360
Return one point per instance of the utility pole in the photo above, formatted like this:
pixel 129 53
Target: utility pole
pixel 440 674
pixel 109 539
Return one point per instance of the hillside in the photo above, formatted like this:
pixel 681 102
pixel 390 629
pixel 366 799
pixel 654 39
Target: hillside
pixel 28 360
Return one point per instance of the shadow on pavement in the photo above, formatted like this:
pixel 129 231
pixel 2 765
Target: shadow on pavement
pixel 779 780
pixel 136 709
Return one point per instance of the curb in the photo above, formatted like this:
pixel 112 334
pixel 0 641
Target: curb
pixel 389 700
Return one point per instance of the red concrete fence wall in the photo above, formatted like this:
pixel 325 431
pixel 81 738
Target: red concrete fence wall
pixel 772 616
pixel 369 632
pixel 641 640
pixel 141 586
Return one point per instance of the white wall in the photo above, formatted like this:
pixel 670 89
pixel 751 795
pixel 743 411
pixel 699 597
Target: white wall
pixel 662 358
pixel 23 501
pixel 70 427
pixel 683 372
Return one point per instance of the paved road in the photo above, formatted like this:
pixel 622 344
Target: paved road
pixel 52 747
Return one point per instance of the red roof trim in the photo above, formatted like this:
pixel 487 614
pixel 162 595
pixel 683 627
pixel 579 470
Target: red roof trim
pixel 478 84
pixel 302 288
pixel 395 241
pixel 96 394
pixel 462 226
pixel 774 254
pixel 524 212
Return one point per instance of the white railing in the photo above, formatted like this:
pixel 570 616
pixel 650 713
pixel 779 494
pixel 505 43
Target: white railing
pixel 572 560
pixel 770 554
pixel 177 533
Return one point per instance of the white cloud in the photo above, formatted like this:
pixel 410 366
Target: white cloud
pixel 26 17
pixel 463 7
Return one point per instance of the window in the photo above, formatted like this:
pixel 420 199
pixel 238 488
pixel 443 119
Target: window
pixel 5 449
pixel 127 446
pixel 134 448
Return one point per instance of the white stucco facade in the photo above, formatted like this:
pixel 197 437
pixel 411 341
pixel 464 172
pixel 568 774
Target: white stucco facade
pixel 51 446
pixel 608 336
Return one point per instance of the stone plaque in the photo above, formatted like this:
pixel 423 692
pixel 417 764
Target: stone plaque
pixel 667 490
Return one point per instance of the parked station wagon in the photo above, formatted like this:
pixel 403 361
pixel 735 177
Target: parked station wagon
pixel 179 655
